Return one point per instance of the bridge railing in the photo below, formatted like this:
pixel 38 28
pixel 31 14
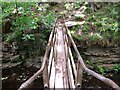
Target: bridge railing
pixel 81 66
pixel 48 62
pixel 44 67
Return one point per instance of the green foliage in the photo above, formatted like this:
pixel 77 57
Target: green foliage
pixel 68 6
pixel 85 27
pixel 22 17
pixel 77 5
pixel 7 8
pixel 101 69
pixel 25 23
pixel 43 8
pixel 116 68
pixel 90 62
pixel 15 36
pixel 27 37
pixel 80 17
pixel 75 28
pixel 80 38
pixel 107 24
pixel 73 32
pixel 91 18
pixel 94 37
pixel 49 19
pixel 25 19
pixel 103 24
pixel 98 24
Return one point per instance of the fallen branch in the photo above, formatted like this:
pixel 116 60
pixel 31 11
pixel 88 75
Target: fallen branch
pixel 73 23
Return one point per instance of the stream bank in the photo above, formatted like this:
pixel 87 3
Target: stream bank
pixel 106 57
pixel 13 77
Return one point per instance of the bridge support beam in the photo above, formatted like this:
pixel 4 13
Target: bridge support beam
pixel 79 75
pixel 70 73
pixel 45 76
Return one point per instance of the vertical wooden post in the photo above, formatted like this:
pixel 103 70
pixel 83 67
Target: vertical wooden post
pixel 45 76
pixel 50 61
pixel 73 63
pixel 79 75
pixel 69 41
pixel 70 74
pixel 55 44
pixel 52 76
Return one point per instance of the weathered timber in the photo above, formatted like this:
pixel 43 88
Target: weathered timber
pixel 73 63
pixel 79 75
pixel 59 70
pixel 70 73
pixel 50 61
pixel 60 63
pixel 108 81
pixel 45 75
pixel 30 80
pixel 52 75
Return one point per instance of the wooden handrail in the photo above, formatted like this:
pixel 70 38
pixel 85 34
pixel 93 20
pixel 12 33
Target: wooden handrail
pixel 44 67
pixel 108 81
pixel 30 80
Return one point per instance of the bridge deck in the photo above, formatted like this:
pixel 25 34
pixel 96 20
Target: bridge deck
pixel 58 67
pixel 59 72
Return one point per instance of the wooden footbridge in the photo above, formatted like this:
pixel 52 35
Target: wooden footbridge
pixel 58 68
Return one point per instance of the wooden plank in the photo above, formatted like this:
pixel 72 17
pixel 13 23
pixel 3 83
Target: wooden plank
pixel 52 75
pixel 55 47
pixel 45 76
pixel 59 60
pixel 53 41
pixel 71 80
pixel 66 79
pixel 50 61
pixel 66 51
pixel 79 75
pixel 58 78
pixel 73 63
pixel 66 38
